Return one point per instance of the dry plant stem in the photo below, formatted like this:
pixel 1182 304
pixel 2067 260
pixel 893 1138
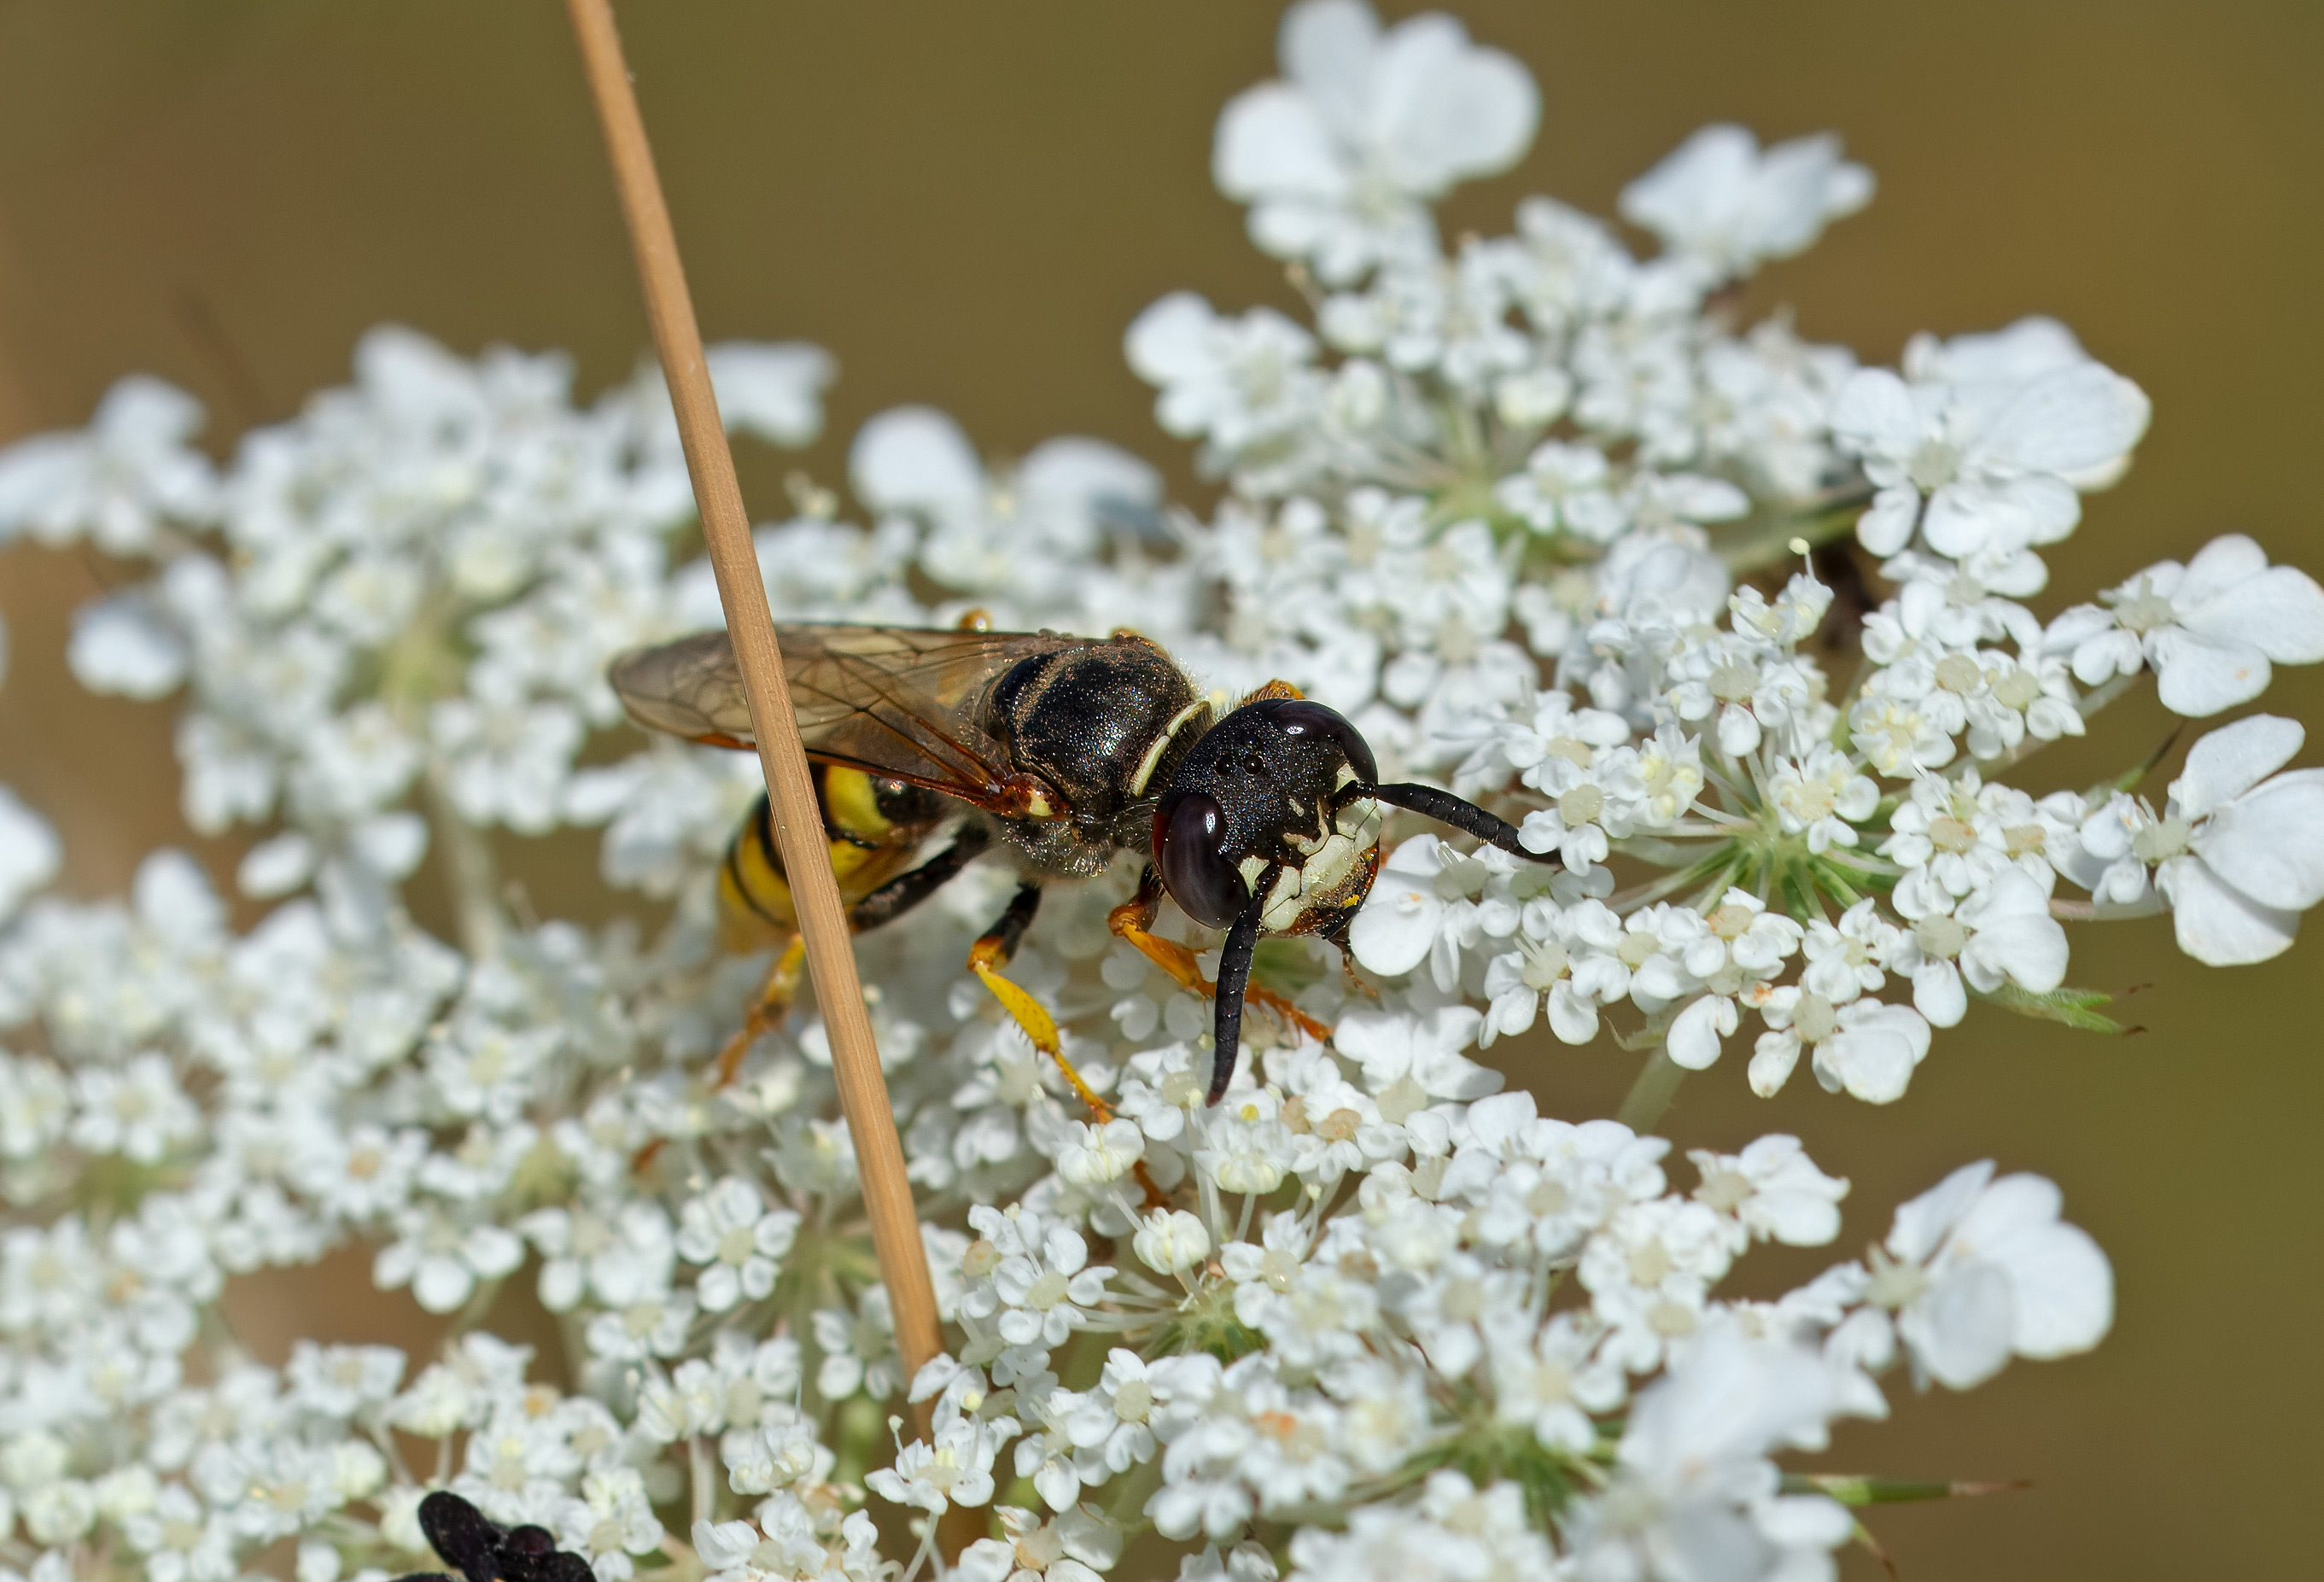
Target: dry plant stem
pixel 799 828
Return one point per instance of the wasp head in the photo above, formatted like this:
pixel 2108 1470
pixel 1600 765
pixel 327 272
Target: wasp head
pixel 1271 789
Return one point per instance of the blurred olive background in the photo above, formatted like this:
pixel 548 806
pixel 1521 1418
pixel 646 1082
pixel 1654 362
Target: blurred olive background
pixel 968 203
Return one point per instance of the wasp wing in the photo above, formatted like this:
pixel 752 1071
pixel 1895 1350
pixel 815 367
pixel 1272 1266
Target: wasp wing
pixel 891 701
pixel 691 688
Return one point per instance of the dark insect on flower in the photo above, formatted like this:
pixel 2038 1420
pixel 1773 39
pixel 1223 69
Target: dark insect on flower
pixel 1065 751
pixel 485 1551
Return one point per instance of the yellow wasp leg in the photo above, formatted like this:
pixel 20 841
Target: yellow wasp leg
pixel 990 955
pixel 766 1011
pixel 1131 919
pixel 1038 1025
pixel 985 959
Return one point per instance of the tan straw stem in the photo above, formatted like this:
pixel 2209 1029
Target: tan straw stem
pixel 798 825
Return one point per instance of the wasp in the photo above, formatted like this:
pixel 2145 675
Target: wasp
pixel 1057 753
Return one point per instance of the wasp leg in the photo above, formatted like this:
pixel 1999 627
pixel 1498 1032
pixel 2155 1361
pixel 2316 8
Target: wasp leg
pixel 990 955
pixel 900 894
pixel 768 1010
pixel 1133 918
pixel 890 900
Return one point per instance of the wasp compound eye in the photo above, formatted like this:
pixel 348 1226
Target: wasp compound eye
pixel 1300 717
pixel 1189 828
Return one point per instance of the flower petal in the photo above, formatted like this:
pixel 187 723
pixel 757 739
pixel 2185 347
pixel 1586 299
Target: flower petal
pixel 2280 611
pixel 2216 923
pixel 1445 109
pixel 2070 420
pixel 1272 142
pixel 2065 1286
pixel 1874 413
pixel 915 458
pixel 1960 1331
pixel 2223 564
pixel 1923 1222
pixel 2200 675
pixel 2231 760
pixel 2269 842
pixel 1694 1037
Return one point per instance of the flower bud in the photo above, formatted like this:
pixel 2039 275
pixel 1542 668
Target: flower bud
pixel 1096 1154
pixel 1171 1241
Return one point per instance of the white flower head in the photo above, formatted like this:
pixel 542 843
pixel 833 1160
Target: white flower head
pixel 773 391
pixel 1774 1190
pixel 1339 159
pixel 1720 199
pixel 2210 630
pixel 1997 448
pixel 2001 932
pixel 955 1470
pixel 1172 1241
pixel 133 468
pixel 738 1240
pixel 1977 1270
pixel 2239 851
pixel 1694 1494
pixel 1566 957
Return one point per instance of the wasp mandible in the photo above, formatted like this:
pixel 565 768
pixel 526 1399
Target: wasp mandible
pixel 1057 752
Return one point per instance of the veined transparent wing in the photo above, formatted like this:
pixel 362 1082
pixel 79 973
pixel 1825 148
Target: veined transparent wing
pixel 891 701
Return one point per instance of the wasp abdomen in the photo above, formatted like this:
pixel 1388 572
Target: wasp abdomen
pixel 870 827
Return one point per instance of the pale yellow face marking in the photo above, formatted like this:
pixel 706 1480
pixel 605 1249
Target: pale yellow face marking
pixel 1328 862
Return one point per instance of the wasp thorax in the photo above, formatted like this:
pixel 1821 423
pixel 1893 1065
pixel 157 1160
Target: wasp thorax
pixel 1260 791
pixel 1088 721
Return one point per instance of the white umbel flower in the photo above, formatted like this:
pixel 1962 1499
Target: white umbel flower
pixel 119 645
pixel 2210 630
pixel 2001 932
pixel 1171 1241
pixel 1998 459
pixel 1977 1270
pixel 1774 1190
pixel 2240 855
pixel 133 468
pixel 1339 159
pixel 1693 1494
pixel 772 390
pixel 1720 199
pixel 739 1241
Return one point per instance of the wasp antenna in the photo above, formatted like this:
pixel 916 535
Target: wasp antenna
pixel 1461 814
pixel 1234 983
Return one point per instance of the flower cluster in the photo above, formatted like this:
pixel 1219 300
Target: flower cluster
pixel 1397 1319
pixel 1743 632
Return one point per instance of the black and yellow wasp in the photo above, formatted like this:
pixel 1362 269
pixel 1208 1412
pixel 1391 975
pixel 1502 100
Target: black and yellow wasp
pixel 1055 753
